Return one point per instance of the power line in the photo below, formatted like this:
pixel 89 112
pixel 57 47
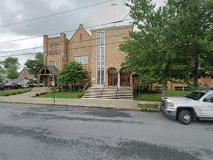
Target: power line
pixel 40 47
pixel 25 49
pixel 70 31
pixel 55 14
pixel 32 53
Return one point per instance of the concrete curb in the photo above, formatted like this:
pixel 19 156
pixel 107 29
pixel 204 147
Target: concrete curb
pixel 119 104
pixel 149 110
pixel 58 104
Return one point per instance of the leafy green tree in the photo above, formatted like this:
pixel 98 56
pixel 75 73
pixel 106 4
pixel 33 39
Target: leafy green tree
pixel 72 73
pixel 195 21
pixel 35 65
pixel 11 66
pixel 11 62
pixel 151 51
pixel 2 71
pixel 169 42
pixel 12 73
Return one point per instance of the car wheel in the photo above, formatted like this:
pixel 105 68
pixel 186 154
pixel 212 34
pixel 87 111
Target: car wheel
pixel 185 117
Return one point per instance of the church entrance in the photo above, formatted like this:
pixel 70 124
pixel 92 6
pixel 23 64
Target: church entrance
pixel 125 78
pixel 112 77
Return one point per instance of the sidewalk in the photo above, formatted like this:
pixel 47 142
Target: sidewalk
pixel 27 98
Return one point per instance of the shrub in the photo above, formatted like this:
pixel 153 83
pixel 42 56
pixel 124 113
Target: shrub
pixel 80 94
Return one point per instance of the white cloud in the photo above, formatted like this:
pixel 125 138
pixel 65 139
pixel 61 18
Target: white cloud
pixel 12 11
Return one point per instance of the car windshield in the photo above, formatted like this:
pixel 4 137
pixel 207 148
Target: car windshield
pixel 195 95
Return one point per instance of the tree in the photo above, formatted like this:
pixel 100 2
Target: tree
pixel 11 62
pixel 11 66
pixel 72 73
pixel 195 19
pixel 12 73
pixel 2 71
pixel 160 49
pixel 35 65
pixel 151 51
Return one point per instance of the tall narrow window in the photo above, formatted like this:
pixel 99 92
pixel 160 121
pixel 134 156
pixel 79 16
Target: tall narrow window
pixel 100 57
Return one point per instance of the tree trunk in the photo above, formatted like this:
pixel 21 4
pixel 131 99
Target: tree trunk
pixel 196 74
pixel 72 87
pixel 164 89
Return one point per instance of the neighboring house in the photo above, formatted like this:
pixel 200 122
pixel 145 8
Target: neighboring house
pixel 25 75
pixel 98 52
pixel 206 81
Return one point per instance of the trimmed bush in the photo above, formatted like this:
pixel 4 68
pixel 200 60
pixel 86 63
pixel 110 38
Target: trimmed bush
pixel 80 94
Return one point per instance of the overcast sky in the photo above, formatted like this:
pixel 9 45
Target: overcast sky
pixel 12 11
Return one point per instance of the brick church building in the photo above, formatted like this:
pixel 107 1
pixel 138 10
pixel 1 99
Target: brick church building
pixel 98 52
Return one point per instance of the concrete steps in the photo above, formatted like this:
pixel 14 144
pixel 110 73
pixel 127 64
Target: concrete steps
pixel 109 93
pixel 125 93
pixel 93 93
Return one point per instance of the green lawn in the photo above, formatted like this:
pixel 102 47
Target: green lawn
pixel 153 96
pixel 13 92
pixel 73 95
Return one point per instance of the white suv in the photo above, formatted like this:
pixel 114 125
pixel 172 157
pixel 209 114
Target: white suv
pixel 195 105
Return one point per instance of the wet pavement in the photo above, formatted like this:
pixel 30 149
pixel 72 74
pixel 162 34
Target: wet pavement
pixel 38 132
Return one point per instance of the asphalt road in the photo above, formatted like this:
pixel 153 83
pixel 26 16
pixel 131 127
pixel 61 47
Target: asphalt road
pixel 33 132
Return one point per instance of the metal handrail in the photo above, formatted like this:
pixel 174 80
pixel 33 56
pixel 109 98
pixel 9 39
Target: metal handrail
pixel 116 92
pixel 85 86
pixel 102 89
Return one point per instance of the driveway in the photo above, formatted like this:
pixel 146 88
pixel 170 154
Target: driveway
pixel 39 132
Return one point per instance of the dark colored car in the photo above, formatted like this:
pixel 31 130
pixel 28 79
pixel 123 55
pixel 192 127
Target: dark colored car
pixel 2 87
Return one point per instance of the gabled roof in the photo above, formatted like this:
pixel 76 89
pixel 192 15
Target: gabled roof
pixel 80 28
pixel 52 69
pixel 24 69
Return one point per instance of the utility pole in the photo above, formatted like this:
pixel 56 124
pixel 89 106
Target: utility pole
pixel 114 5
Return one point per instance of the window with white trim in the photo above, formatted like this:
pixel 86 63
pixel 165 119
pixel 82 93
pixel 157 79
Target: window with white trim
pixel 100 57
pixel 81 59
pixel 53 63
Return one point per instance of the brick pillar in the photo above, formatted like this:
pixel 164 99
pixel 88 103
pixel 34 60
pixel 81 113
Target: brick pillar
pixel 45 45
pixel 119 80
pixel 63 49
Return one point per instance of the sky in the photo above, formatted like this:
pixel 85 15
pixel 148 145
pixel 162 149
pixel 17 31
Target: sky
pixel 12 11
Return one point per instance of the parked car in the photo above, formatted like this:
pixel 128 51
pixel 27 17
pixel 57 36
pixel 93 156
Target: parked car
pixel 195 105
pixel 24 86
pixel 11 86
pixel 2 86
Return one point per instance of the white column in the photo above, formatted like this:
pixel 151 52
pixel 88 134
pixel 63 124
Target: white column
pixel 119 80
